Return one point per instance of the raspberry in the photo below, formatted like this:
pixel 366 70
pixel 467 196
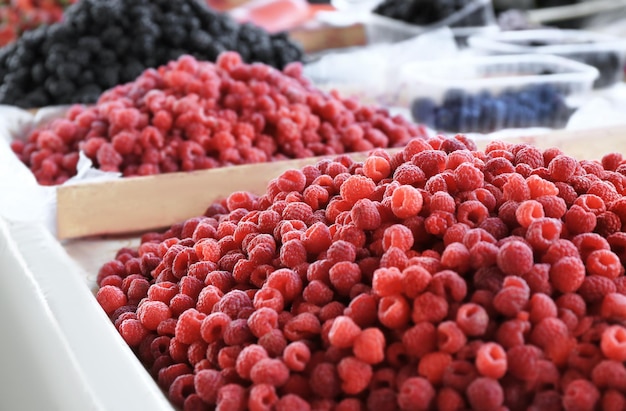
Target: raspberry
pixel 450 337
pixel 472 319
pixel 365 215
pixel 354 374
pixel 408 174
pixel 393 311
pixel 357 187
pixel 613 400
pixel 406 201
pixel 580 395
pixel 420 339
pixel 430 161
pixel 343 332
pixel 369 346
pixel 343 276
pixel 269 371
pixel 468 177
pixel 459 374
pixel 152 313
pixel 296 356
pixel 429 307
pixel 416 394
pixel 491 360
pixel 292 402
pixel 132 331
pixel 472 213
pixel 231 397
pixel 376 168
pixel 303 325
pixel 449 399
pixel 522 361
pixel 578 220
pixel 613 343
pixel 456 257
pixel 543 232
pixel 515 258
pixel 207 383
pixel 515 188
pixel 432 366
pixel 529 211
pixel 398 236
pixel 111 298
pixel 567 274
pixel 562 167
pixel 324 380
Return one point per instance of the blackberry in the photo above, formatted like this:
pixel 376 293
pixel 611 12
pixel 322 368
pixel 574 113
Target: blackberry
pixel 80 57
pixel 68 70
pixel 57 87
pixel 85 78
pixel 107 76
pixel 101 43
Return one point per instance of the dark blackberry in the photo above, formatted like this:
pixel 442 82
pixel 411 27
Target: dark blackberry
pixel 106 57
pixel 90 43
pixel 85 78
pixel 144 45
pixel 52 62
pixel 100 43
pixel 131 70
pixel 107 76
pixel 200 40
pixel 58 88
pixel 122 46
pixel 175 35
pixel 111 35
pixel 88 94
pixel 81 57
pixel 38 73
pixel 68 70
pixel 36 98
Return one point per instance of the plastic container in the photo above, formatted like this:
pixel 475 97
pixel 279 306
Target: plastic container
pixel 488 93
pixel 472 18
pixel 605 52
pixel 476 17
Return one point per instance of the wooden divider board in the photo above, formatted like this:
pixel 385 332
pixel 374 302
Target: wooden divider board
pixel 145 203
pixel 137 204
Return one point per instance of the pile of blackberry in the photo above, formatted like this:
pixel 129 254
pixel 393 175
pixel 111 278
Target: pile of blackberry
pixel 425 12
pixel 541 105
pixel 102 43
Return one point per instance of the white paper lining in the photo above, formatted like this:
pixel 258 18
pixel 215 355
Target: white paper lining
pixel 22 198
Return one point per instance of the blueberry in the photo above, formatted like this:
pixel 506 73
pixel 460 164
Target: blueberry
pixel 454 97
pixel 423 111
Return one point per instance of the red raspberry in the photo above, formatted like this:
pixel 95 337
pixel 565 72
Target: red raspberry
pixel 354 374
pixel 515 258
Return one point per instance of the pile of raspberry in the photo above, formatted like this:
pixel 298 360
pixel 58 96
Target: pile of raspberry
pixel 193 115
pixel 438 278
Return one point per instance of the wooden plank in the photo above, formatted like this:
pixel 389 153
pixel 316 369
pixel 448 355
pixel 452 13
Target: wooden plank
pixel 589 144
pixel 138 204
pixel 320 37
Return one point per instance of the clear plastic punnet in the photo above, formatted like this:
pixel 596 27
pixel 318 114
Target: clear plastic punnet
pixel 605 52
pixel 476 17
pixel 488 93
